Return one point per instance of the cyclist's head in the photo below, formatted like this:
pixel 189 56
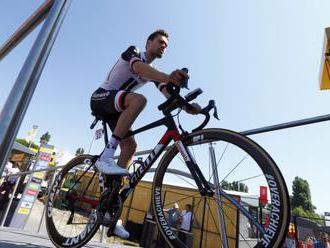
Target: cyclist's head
pixel 157 43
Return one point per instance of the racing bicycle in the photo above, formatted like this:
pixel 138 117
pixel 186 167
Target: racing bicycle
pixel 219 171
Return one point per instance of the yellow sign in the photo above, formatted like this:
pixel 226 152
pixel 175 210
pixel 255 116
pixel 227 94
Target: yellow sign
pixel 39 175
pixel 46 150
pixel 24 211
pixel 17 157
pixel 34 150
pixel 325 62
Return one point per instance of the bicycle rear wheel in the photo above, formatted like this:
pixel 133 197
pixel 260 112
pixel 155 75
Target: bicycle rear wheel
pixel 71 216
pixel 235 167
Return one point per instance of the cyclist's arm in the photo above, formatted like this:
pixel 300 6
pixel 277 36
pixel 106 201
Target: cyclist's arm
pixel 146 71
pixel 194 107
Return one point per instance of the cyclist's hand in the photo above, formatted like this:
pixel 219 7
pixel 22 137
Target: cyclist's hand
pixel 194 109
pixel 177 77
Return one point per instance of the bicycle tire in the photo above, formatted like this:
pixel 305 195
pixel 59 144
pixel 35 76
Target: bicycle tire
pixel 57 236
pixel 267 165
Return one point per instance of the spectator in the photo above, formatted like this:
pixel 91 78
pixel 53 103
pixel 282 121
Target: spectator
pixel 14 170
pixel 186 219
pixel 173 215
pixel 323 242
pixel 9 182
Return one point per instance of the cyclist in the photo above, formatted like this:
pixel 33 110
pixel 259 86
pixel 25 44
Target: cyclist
pixel 116 99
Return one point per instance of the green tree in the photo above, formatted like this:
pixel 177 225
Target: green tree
pixel 301 201
pixel 301 195
pixel 80 151
pixel 27 144
pixel 235 186
pixel 299 211
pixel 44 139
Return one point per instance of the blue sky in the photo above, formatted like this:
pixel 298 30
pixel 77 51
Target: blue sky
pixel 258 59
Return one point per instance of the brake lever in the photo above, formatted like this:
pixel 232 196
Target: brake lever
pixel 215 113
pixel 205 111
pixel 215 110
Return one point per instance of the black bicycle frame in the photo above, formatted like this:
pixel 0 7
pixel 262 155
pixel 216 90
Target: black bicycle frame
pixel 172 133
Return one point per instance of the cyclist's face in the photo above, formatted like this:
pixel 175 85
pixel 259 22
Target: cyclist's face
pixel 157 46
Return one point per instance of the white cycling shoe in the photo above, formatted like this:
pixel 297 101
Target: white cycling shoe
pixel 110 167
pixel 120 231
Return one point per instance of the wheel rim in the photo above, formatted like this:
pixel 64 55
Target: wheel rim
pixel 75 190
pixel 242 229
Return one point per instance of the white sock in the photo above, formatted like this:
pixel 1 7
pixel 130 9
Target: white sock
pixel 110 149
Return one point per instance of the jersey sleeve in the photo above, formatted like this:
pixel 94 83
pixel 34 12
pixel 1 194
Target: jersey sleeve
pixel 159 85
pixel 131 55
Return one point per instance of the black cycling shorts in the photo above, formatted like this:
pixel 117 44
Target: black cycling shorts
pixel 108 104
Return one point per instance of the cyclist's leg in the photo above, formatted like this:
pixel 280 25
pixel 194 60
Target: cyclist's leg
pixel 127 150
pixel 133 104
pixel 121 109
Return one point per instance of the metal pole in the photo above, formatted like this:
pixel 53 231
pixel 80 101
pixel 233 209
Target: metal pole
pixel 25 28
pixel 221 217
pixel 296 229
pixel 19 98
pixel 260 219
pixel 43 212
pixel 202 231
pixel 10 202
pixel 286 125
pixel 102 234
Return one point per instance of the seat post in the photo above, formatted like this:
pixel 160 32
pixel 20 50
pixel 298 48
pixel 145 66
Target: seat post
pixel 106 138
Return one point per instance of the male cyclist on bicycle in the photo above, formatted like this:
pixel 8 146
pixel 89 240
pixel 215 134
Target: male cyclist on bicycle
pixel 116 101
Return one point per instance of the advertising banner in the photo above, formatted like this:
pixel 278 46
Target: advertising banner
pixel 32 134
pixel 99 133
pixel 32 188
pixel 263 195
pixel 327 218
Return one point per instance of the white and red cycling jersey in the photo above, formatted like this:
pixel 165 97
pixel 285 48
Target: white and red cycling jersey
pixel 108 100
pixel 122 75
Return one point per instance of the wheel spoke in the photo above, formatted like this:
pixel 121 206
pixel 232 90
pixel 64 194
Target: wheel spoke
pixel 181 199
pixel 240 162
pixel 217 164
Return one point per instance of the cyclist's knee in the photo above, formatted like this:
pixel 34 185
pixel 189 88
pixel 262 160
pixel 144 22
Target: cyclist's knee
pixel 140 100
pixel 136 100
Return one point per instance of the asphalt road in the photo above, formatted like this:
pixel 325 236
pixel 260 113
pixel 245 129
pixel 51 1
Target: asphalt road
pixel 13 238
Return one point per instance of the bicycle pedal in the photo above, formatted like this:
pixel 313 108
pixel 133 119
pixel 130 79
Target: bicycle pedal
pixel 111 229
pixel 105 219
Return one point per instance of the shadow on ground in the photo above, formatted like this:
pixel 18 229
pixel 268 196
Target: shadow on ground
pixel 15 244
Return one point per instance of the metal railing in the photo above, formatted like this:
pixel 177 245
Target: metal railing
pixel 21 93
pixel 25 29
pixel 19 175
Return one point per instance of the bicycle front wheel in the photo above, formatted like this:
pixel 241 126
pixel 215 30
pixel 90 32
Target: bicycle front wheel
pixel 71 216
pixel 237 169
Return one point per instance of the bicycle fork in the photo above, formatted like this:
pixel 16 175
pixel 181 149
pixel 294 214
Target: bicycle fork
pixel 202 183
